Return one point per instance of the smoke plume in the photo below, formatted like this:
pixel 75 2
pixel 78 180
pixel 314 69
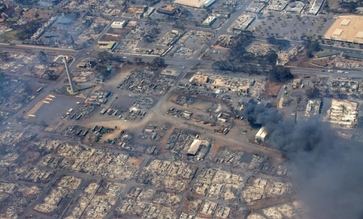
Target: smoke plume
pixel 327 170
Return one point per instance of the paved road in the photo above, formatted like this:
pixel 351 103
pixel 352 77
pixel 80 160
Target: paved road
pixel 343 49
pixel 24 47
pixel 179 61
pixel 295 70
pixel 325 72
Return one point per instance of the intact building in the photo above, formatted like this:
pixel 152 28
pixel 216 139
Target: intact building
pixel 347 28
pixel 118 24
pixel 261 135
pixel 196 146
pixel 195 3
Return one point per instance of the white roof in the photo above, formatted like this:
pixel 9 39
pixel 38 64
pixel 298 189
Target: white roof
pixel 262 133
pixel 345 22
pixel 195 145
pixel 337 32
pixel 195 3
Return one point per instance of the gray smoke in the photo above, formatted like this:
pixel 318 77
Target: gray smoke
pixel 327 170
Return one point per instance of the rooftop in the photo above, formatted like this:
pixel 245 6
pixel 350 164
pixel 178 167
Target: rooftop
pixel 195 3
pixel 346 28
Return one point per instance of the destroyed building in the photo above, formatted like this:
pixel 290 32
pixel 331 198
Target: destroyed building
pixel 343 113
